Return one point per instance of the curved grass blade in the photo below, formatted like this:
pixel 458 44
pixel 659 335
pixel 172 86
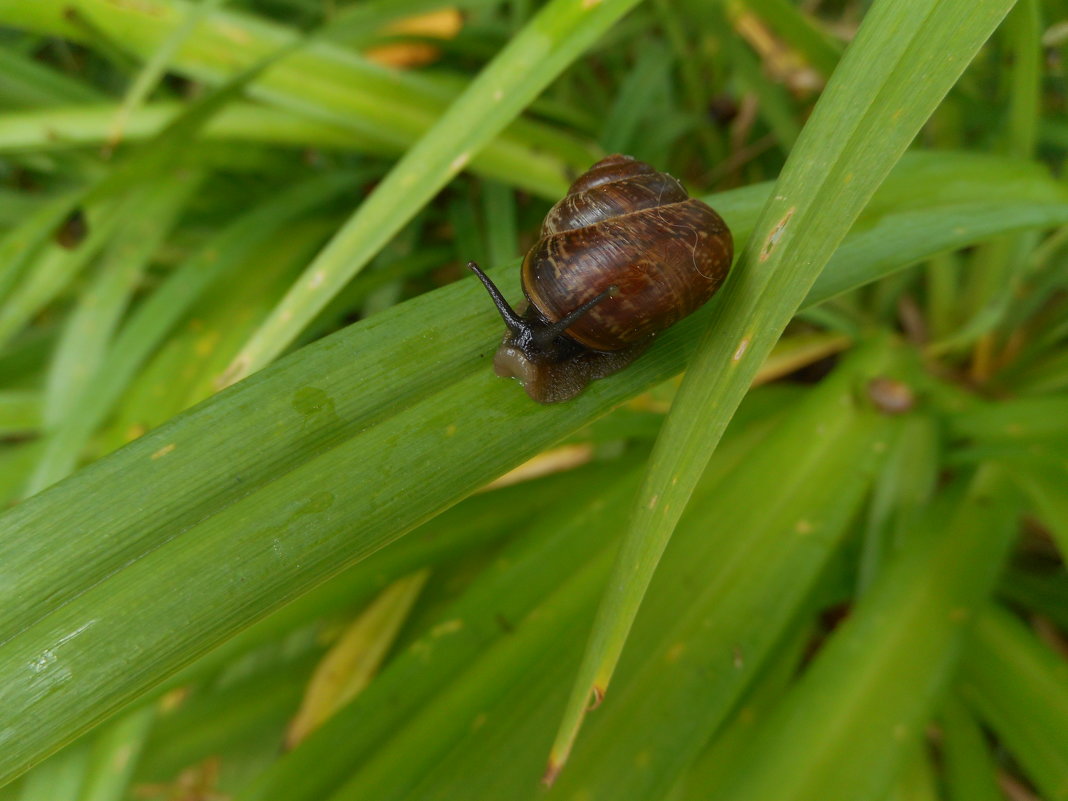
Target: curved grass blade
pixel 147 215
pixel 391 108
pixel 143 332
pixel 970 773
pixel 153 70
pixel 64 127
pixel 748 554
pixel 879 676
pixel 559 543
pixel 1019 687
pixel 561 31
pixel 905 58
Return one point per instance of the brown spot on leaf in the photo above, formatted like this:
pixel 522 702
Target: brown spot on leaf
pixel 776 234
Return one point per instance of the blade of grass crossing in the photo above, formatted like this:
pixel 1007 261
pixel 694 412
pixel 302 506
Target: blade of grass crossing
pixel 58 266
pixel 184 369
pixel 60 777
pixel 970 772
pixel 562 30
pixel 19 245
pixel 146 215
pixel 905 58
pixel 1019 687
pixel 114 754
pixel 152 321
pixel 55 267
pixel 568 533
pixel 390 109
pixel 743 554
pixel 478 523
pixel 528 658
pixel 354 659
pixel 846 727
pixel 153 70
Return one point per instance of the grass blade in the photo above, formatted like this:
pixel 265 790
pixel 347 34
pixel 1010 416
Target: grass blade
pixel 140 335
pixel 156 66
pixel 1019 687
pixel 880 674
pixel 87 333
pixel 550 41
pixel 392 109
pixel 969 765
pixel 568 534
pixel 747 555
pixel 354 659
pixel 905 58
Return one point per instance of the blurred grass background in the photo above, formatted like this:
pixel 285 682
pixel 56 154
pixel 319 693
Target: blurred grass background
pixel 273 530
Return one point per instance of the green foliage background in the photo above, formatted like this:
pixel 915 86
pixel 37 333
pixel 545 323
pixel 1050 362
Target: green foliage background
pixel 247 415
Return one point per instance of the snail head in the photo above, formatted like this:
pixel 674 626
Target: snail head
pixel 539 338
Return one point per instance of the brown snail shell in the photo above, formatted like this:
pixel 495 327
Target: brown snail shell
pixel 624 255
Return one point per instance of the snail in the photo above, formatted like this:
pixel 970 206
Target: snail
pixel 626 254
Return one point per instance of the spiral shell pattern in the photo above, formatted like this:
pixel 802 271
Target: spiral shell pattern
pixel 625 224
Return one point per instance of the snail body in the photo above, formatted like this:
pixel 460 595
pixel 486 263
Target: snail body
pixel 624 255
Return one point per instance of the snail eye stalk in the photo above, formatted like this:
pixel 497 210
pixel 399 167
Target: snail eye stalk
pixel 539 334
pixel 514 322
pixel 558 328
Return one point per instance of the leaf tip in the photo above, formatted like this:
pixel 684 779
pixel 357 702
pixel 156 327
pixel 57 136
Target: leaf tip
pixel 237 370
pixel 552 770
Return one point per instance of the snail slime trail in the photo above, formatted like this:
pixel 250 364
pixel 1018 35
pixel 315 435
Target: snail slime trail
pixel 627 253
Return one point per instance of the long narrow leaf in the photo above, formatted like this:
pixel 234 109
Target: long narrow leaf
pixel 905 58
pixel 550 41
pixel 390 108
pixel 1019 687
pixel 879 676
